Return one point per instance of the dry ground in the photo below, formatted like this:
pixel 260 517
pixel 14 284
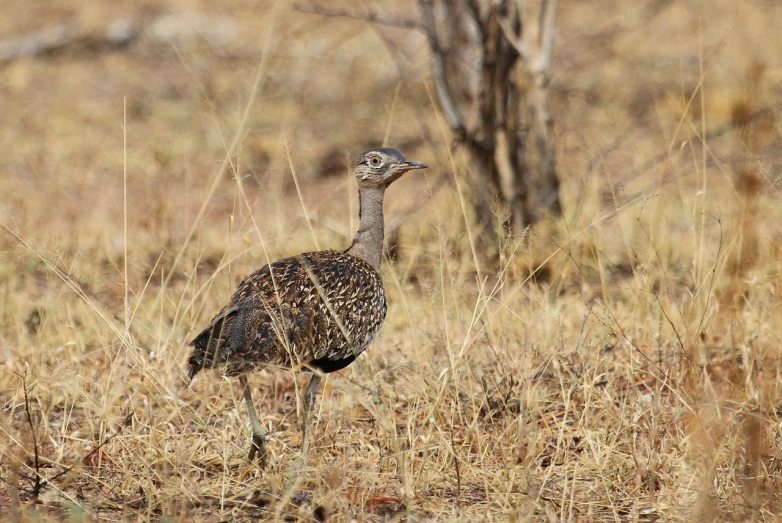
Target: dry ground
pixel 636 376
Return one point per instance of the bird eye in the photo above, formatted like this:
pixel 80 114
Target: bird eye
pixel 375 161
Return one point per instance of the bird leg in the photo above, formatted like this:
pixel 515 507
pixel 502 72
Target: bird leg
pixel 258 447
pixel 309 398
pixel 297 466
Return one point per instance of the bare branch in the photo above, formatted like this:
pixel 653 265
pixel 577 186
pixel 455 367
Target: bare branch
pixel 402 23
pixel 37 483
pixel 447 103
pixel 68 35
pixel 38 42
pixel 514 41
pixel 475 10
pixel 95 449
pixel 549 16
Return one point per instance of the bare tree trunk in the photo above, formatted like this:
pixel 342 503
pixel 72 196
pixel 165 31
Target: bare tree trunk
pixel 498 109
pixel 540 38
pixel 502 117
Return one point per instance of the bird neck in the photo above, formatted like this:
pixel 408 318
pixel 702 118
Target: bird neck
pixel 368 243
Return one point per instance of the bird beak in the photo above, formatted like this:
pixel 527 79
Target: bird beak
pixel 412 164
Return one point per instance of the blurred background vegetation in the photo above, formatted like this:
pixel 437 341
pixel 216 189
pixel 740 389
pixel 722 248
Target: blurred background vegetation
pixel 584 287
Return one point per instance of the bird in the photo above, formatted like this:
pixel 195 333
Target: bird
pixel 315 312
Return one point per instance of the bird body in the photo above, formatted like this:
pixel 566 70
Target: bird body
pixel 317 311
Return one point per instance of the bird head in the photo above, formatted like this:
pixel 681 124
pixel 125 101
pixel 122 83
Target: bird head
pixel 381 167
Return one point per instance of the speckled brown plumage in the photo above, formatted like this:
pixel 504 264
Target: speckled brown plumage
pixel 318 309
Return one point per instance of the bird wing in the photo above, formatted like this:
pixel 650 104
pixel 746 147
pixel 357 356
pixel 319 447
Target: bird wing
pixel 240 336
pixel 315 306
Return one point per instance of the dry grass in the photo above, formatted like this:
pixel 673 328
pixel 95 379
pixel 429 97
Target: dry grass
pixel 637 376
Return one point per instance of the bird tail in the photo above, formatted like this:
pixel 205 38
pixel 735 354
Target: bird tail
pixel 200 358
pixel 209 347
pixel 194 368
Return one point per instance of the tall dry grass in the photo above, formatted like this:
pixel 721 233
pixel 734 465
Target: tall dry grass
pixel 622 363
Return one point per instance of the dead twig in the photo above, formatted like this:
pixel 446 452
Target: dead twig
pixel 57 38
pixel 36 479
pixel 370 16
pixel 447 104
pixel 102 444
pixel 39 483
pixel 38 42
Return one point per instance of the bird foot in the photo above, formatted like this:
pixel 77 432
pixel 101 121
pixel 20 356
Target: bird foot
pixel 258 449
